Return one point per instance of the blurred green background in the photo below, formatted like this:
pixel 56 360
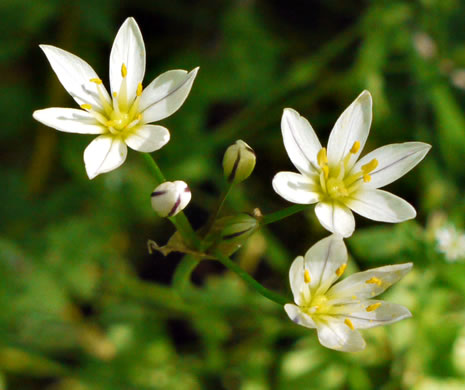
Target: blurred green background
pixel 83 306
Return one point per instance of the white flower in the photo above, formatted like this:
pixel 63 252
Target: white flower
pixel 336 311
pixel 122 118
pixel 334 179
pixel 451 243
pixel 169 198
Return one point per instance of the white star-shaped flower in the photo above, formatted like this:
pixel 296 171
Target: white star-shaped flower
pixel 123 118
pixel 334 179
pixel 337 310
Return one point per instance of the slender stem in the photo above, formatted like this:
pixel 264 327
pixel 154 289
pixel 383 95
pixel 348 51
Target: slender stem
pixel 219 206
pixel 275 297
pixel 284 213
pixel 182 274
pixel 180 221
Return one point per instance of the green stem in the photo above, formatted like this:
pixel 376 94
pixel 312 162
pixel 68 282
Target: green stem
pixel 218 208
pixel 275 297
pixel 182 274
pixel 180 221
pixel 281 214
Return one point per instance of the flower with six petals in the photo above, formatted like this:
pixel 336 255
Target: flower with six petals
pixel 334 179
pixel 123 118
pixel 337 310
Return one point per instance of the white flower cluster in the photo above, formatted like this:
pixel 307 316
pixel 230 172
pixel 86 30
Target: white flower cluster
pixel 451 243
pixel 333 178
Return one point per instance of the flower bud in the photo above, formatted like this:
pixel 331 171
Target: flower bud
pixel 238 162
pixel 169 198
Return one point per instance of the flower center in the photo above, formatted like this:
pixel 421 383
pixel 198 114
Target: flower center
pixel 335 181
pixel 119 115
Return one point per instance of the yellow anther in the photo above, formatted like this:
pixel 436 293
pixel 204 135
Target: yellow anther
pixel 374 280
pixel 110 123
pixel 349 323
pixel 355 147
pixel 373 307
pixel 115 94
pixel 96 81
pixel 307 278
pixel 371 166
pixel 139 89
pixel 124 70
pixel 341 270
pixel 86 106
pixel 354 297
pixel 366 178
pixel 325 169
pixel 139 117
pixel 322 157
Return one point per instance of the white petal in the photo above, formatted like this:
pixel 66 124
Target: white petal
pixel 336 218
pixel 323 260
pixel 353 125
pixel 296 315
pixel 386 313
pixel 394 161
pixel 301 143
pixel 75 75
pixel 367 284
pixel 69 120
pixel 128 49
pixel 104 154
pixel 296 280
pixel 296 188
pixel 382 206
pixel 334 334
pixel 166 94
pixel 148 138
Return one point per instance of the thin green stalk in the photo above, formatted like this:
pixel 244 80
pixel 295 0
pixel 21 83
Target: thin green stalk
pixel 218 208
pixel 275 297
pixel 183 272
pixel 281 214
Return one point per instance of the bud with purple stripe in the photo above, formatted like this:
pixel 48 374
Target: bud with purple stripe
pixel 169 198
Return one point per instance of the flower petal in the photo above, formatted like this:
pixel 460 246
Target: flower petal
pixel 296 188
pixel 148 138
pixel 353 125
pixel 69 120
pixel 128 49
pixel 296 315
pixel 336 218
pixel 394 161
pixel 296 279
pixel 164 95
pixel 104 154
pixel 335 334
pixel 371 313
pixel 367 284
pixel 323 260
pixel 301 143
pixel 382 206
pixel 75 75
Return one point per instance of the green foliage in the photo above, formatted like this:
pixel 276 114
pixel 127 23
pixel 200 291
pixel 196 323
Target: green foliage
pixel 85 307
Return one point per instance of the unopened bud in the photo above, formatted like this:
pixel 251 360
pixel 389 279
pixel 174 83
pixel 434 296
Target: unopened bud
pixel 238 162
pixel 169 198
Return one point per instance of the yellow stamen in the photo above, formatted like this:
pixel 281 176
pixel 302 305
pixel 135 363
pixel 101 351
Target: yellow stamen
pixel 86 106
pixel 96 81
pixel 139 117
pixel 366 178
pixel 355 147
pixel 115 94
pixel 325 169
pixel 307 278
pixel 341 270
pixel 374 280
pixel 373 307
pixel 354 296
pixel 139 89
pixel 322 157
pixel 371 166
pixel 349 323
pixel 110 123
pixel 124 70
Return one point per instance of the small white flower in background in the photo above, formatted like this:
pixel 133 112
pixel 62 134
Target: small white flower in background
pixel 335 180
pixel 169 198
pixel 337 310
pixel 451 242
pixel 122 118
